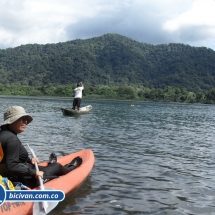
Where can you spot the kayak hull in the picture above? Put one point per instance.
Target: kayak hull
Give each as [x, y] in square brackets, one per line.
[66, 183]
[71, 112]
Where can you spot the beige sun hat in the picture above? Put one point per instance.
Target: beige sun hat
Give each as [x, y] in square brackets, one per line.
[13, 113]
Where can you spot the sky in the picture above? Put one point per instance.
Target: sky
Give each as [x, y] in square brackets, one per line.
[153, 22]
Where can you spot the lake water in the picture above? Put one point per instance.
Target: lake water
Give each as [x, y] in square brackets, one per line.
[151, 158]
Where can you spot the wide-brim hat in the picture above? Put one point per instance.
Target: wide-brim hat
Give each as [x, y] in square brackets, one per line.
[13, 113]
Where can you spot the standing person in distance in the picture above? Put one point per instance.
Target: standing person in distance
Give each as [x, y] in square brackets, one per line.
[77, 95]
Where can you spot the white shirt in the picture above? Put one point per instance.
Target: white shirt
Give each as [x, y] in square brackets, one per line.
[78, 92]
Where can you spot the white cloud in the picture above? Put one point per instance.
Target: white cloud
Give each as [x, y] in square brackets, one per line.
[38, 21]
[195, 24]
[149, 21]
[201, 13]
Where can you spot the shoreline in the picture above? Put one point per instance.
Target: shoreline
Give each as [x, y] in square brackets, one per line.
[71, 98]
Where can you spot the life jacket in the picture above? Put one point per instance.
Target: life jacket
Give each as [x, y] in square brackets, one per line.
[6, 183]
[1, 152]
[3, 170]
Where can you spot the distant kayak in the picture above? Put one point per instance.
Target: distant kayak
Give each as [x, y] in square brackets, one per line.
[66, 183]
[82, 110]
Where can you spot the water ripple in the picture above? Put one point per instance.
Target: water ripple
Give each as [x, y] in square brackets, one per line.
[151, 158]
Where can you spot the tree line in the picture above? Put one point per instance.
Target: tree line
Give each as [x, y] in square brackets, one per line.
[111, 60]
[139, 93]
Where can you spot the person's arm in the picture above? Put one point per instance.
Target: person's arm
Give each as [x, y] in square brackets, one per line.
[82, 85]
[33, 161]
[11, 154]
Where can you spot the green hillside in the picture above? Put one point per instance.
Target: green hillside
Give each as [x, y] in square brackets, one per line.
[111, 60]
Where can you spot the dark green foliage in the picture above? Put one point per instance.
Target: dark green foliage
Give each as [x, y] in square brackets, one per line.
[111, 60]
[210, 96]
[168, 94]
[111, 67]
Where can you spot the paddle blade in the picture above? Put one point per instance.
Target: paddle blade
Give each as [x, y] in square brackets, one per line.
[39, 210]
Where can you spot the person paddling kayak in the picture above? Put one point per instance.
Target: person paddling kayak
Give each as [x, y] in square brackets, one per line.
[15, 162]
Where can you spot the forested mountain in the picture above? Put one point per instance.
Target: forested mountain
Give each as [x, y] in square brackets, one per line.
[109, 60]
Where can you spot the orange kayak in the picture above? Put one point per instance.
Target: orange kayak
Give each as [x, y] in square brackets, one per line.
[67, 183]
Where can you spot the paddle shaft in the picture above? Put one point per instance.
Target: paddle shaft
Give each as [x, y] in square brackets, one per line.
[45, 204]
[37, 169]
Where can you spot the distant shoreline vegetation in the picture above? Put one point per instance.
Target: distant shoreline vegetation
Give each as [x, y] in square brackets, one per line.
[139, 93]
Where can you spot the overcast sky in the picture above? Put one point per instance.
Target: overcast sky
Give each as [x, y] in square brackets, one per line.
[150, 21]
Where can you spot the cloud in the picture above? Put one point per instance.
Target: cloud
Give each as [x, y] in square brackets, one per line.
[139, 20]
[196, 25]
[155, 22]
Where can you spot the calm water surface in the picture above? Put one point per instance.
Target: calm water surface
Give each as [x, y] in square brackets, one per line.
[151, 158]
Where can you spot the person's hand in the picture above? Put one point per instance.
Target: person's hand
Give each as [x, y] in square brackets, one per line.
[34, 160]
[39, 173]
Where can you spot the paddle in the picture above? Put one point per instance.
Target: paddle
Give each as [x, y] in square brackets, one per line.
[41, 208]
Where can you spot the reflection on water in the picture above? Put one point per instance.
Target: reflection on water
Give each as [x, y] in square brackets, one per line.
[151, 158]
[72, 204]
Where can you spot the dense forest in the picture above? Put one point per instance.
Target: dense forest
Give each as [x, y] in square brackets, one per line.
[111, 67]
[111, 60]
